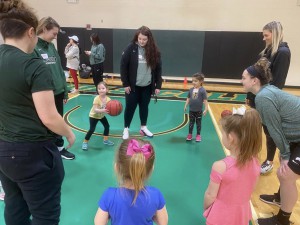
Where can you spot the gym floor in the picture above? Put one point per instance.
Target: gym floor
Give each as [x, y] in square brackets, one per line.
[188, 163]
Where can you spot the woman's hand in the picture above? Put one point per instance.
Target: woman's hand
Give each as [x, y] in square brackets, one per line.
[128, 90]
[157, 91]
[87, 52]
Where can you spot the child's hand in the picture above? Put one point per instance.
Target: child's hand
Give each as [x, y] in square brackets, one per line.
[204, 112]
[105, 111]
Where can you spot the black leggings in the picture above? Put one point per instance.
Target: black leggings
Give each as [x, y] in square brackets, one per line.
[271, 146]
[195, 117]
[93, 124]
[97, 71]
[140, 96]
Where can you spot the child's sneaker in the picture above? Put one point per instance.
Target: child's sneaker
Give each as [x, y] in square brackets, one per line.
[84, 146]
[145, 132]
[108, 142]
[198, 137]
[189, 137]
[125, 133]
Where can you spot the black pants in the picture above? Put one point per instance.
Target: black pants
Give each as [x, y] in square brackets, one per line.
[31, 176]
[93, 124]
[140, 96]
[195, 117]
[271, 146]
[59, 103]
[97, 71]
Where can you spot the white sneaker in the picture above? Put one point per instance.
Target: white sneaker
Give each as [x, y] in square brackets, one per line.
[125, 133]
[74, 91]
[266, 167]
[145, 132]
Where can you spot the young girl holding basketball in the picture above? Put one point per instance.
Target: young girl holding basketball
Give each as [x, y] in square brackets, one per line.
[232, 180]
[133, 202]
[196, 97]
[97, 114]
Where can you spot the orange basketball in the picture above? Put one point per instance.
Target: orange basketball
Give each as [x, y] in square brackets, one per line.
[114, 107]
[226, 112]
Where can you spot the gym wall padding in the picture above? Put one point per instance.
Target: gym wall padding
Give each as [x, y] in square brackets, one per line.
[227, 54]
[217, 54]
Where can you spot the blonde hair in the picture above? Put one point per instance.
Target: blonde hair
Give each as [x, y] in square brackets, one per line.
[47, 22]
[277, 36]
[134, 168]
[247, 128]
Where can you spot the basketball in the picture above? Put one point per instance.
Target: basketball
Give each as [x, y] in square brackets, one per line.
[226, 112]
[114, 107]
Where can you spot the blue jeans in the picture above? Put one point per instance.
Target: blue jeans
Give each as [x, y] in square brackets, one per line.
[31, 174]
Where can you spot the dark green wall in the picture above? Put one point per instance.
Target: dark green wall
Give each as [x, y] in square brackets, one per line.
[217, 54]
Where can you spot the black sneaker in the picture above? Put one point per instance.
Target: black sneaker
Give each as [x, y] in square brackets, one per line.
[271, 199]
[269, 221]
[66, 154]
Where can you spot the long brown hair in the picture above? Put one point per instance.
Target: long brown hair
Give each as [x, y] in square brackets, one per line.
[135, 168]
[151, 50]
[247, 128]
[16, 18]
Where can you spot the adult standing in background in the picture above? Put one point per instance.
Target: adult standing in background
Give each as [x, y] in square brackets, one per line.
[72, 55]
[141, 77]
[47, 31]
[97, 58]
[31, 168]
[280, 113]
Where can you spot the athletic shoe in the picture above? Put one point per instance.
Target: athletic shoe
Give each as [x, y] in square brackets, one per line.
[271, 199]
[108, 142]
[198, 137]
[2, 195]
[66, 154]
[125, 133]
[268, 221]
[189, 137]
[266, 167]
[74, 91]
[84, 146]
[145, 132]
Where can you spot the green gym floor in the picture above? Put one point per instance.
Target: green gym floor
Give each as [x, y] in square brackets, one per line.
[181, 171]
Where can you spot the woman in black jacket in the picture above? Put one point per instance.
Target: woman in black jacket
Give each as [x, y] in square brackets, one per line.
[141, 77]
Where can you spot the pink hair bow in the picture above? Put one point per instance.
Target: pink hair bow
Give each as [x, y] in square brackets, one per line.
[133, 147]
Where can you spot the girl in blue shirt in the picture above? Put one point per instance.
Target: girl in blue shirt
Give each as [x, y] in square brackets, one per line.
[133, 203]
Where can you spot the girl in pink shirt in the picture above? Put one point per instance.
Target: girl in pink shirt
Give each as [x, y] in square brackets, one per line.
[233, 179]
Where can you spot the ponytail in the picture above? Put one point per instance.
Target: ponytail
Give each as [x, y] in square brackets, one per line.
[137, 171]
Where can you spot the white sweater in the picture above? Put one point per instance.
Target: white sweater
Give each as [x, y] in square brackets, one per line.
[72, 55]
